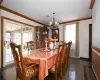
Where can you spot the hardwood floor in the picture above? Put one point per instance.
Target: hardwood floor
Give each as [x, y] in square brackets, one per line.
[78, 70]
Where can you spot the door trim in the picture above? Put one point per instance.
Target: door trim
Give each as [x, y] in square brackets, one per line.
[90, 42]
[2, 35]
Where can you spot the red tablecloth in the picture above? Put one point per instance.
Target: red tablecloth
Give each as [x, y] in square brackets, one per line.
[45, 60]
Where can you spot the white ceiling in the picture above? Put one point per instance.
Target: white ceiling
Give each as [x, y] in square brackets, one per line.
[38, 9]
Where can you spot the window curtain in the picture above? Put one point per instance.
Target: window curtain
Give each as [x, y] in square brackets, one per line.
[70, 35]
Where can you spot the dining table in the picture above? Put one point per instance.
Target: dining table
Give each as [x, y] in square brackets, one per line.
[45, 59]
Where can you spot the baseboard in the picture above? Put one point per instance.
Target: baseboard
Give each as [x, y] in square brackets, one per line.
[78, 57]
[94, 73]
[8, 66]
[84, 58]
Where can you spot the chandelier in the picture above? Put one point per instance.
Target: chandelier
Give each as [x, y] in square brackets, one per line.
[53, 24]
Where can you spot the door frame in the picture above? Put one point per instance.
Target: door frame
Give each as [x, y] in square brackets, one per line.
[90, 43]
[2, 35]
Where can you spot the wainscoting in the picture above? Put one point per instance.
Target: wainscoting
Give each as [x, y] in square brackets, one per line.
[96, 61]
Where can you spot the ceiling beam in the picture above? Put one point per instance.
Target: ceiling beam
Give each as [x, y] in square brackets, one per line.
[75, 20]
[92, 4]
[1, 1]
[21, 15]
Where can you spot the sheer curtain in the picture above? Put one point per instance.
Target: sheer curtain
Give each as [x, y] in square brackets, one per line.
[70, 35]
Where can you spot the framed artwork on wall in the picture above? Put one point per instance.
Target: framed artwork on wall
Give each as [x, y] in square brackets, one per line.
[55, 34]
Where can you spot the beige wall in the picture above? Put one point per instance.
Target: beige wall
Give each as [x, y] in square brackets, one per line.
[96, 24]
[84, 38]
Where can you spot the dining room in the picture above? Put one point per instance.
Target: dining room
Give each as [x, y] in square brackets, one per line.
[44, 42]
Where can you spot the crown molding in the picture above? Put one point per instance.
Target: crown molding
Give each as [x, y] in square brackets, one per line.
[75, 20]
[1, 1]
[92, 4]
[3, 17]
[21, 15]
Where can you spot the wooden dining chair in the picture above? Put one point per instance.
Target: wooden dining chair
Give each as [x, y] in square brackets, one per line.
[24, 70]
[62, 61]
[56, 67]
[31, 45]
[67, 55]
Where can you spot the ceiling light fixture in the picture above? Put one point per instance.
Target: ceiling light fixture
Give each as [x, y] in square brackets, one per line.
[54, 24]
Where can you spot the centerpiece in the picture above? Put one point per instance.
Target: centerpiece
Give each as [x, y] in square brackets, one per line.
[51, 43]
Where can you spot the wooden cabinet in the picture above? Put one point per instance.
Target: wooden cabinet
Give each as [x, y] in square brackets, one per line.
[41, 34]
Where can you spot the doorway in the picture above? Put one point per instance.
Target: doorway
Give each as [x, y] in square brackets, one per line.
[90, 42]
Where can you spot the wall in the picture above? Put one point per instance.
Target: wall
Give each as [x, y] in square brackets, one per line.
[15, 17]
[96, 24]
[61, 34]
[96, 38]
[84, 38]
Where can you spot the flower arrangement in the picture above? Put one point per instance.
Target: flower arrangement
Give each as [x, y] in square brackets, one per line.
[50, 40]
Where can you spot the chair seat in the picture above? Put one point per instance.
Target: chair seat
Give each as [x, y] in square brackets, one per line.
[31, 71]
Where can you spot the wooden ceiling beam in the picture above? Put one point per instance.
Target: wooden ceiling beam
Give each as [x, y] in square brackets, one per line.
[75, 20]
[92, 4]
[21, 15]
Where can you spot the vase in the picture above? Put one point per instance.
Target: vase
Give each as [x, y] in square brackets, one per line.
[51, 45]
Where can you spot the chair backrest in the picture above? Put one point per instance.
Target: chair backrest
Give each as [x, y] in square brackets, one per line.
[31, 45]
[68, 49]
[58, 53]
[62, 48]
[69, 44]
[63, 52]
[61, 42]
[18, 59]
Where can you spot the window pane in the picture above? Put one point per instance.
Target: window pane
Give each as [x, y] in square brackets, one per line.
[27, 36]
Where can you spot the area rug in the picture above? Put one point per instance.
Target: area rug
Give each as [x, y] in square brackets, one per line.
[88, 73]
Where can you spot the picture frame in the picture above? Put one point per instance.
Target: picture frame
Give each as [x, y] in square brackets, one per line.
[55, 34]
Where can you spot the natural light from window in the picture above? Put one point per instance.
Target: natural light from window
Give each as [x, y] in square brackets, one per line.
[70, 33]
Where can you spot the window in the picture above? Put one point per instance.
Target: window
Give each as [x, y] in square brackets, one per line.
[19, 34]
[8, 36]
[26, 37]
[70, 35]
